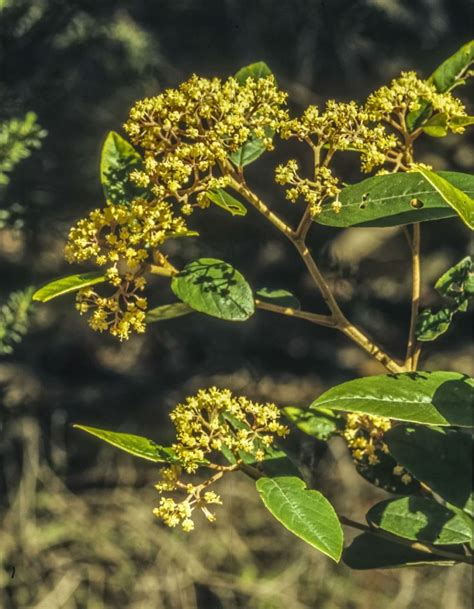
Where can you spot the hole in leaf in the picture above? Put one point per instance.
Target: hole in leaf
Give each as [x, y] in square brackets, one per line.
[362, 205]
[416, 204]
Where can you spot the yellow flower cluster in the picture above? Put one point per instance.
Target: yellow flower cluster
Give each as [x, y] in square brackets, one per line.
[122, 238]
[364, 437]
[406, 94]
[185, 133]
[206, 424]
[342, 126]
[314, 192]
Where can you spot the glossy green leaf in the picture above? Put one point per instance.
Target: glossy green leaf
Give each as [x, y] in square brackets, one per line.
[169, 311]
[71, 283]
[432, 398]
[306, 513]
[319, 423]
[457, 284]
[442, 459]
[421, 519]
[223, 199]
[254, 70]
[118, 159]
[215, 288]
[393, 200]
[368, 551]
[461, 202]
[135, 445]
[452, 71]
[282, 298]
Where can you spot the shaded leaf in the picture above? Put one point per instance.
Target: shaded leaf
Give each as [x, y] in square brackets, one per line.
[223, 199]
[381, 475]
[432, 398]
[169, 311]
[71, 283]
[393, 200]
[282, 298]
[422, 519]
[368, 551]
[457, 283]
[442, 459]
[215, 288]
[462, 204]
[118, 159]
[318, 423]
[306, 513]
[135, 445]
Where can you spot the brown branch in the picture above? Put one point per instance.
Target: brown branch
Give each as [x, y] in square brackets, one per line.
[321, 320]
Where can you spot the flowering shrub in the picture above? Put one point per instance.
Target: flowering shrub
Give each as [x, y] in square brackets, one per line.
[405, 429]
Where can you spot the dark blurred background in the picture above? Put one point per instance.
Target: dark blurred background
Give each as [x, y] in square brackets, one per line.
[76, 520]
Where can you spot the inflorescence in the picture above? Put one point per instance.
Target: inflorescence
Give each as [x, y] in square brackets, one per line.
[209, 424]
[187, 136]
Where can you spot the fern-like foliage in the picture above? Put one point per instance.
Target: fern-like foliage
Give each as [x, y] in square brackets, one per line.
[14, 319]
[18, 138]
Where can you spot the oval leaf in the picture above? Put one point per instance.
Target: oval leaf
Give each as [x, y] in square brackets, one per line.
[441, 459]
[368, 551]
[306, 513]
[318, 423]
[393, 200]
[215, 288]
[71, 283]
[452, 71]
[282, 298]
[432, 398]
[254, 70]
[135, 445]
[169, 311]
[462, 204]
[118, 159]
[223, 199]
[421, 519]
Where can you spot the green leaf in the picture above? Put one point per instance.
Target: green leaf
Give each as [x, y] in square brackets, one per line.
[306, 513]
[118, 159]
[282, 298]
[430, 325]
[254, 70]
[432, 398]
[135, 445]
[71, 283]
[223, 199]
[452, 71]
[421, 519]
[368, 551]
[215, 288]
[462, 204]
[442, 459]
[170, 311]
[438, 125]
[381, 475]
[320, 423]
[457, 283]
[449, 74]
[393, 200]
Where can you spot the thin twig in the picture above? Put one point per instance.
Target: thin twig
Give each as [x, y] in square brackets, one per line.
[321, 320]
